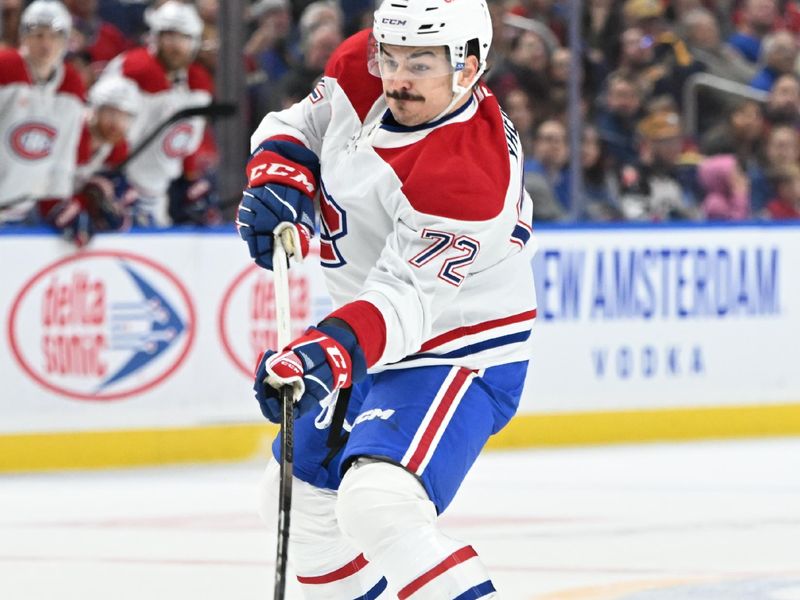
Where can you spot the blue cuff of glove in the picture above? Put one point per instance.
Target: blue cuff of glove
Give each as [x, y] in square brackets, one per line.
[348, 341]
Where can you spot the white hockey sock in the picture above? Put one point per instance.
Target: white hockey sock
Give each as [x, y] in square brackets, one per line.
[328, 566]
[387, 513]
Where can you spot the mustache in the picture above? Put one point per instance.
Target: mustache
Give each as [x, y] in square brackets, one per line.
[404, 95]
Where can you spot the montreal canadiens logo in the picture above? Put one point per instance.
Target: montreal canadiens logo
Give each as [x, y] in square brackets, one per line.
[178, 141]
[246, 318]
[101, 325]
[32, 141]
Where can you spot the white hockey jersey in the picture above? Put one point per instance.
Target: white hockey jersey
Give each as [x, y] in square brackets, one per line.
[152, 171]
[40, 127]
[428, 225]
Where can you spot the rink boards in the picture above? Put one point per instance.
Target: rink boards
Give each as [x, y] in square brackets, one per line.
[140, 349]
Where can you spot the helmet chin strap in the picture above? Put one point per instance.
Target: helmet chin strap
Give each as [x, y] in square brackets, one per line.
[459, 91]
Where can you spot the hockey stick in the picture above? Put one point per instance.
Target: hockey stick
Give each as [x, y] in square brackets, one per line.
[284, 246]
[214, 110]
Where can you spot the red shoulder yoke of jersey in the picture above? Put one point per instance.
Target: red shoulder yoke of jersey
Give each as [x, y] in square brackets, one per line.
[459, 171]
[348, 65]
[200, 78]
[12, 67]
[72, 83]
[143, 68]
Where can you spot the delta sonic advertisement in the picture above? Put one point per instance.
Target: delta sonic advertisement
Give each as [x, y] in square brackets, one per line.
[137, 331]
[654, 317]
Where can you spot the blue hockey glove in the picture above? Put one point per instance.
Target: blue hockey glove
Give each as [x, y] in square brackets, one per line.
[70, 218]
[323, 360]
[94, 209]
[262, 209]
[279, 190]
[194, 201]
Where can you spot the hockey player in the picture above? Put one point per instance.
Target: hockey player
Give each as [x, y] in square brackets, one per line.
[102, 197]
[169, 80]
[41, 112]
[424, 231]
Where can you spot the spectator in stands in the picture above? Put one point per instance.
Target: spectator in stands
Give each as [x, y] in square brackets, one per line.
[358, 15]
[785, 204]
[676, 10]
[600, 189]
[779, 53]
[317, 14]
[706, 46]
[317, 48]
[758, 18]
[518, 107]
[671, 55]
[559, 76]
[208, 10]
[618, 116]
[727, 189]
[781, 149]
[661, 186]
[547, 12]
[10, 11]
[601, 31]
[637, 59]
[526, 67]
[550, 159]
[783, 102]
[169, 80]
[741, 134]
[267, 56]
[126, 15]
[208, 51]
[94, 42]
[41, 113]
[501, 32]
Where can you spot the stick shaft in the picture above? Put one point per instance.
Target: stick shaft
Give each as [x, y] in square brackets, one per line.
[283, 320]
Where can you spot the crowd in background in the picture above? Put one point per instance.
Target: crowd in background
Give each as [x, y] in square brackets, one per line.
[649, 151]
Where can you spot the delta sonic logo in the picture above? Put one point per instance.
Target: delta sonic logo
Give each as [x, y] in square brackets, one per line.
[246, 318]
[101, 326]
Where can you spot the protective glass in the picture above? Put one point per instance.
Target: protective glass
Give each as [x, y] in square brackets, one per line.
[412, 62]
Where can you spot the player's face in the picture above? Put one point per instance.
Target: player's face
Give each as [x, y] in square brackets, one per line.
[175, 50]
[44, 48]
[417, 82]
[112, 124]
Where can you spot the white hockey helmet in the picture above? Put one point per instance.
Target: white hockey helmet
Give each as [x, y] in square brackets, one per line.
[176, 16]
[450, 23]
[116, 91]
[46, 13]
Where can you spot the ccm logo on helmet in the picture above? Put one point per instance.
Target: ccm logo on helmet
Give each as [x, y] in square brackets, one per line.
[388, 21]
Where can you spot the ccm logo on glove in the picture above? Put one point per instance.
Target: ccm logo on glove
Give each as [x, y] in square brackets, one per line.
[269, 167]
[286, 366]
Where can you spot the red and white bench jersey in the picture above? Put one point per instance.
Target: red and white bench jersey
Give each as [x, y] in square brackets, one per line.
[152, 171]
[40, 127]
[94, 160]
[429, 224]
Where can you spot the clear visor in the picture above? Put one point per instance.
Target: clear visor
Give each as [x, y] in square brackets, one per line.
[44, 27]
[411, 62]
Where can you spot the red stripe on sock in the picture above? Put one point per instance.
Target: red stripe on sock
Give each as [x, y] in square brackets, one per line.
[456, 558]
[354, 566]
